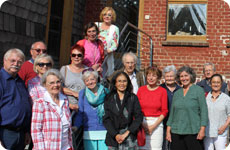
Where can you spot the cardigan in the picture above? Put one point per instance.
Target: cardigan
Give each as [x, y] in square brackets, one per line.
[188, 113]
[153, 103]
[112, 116]
[87, 115]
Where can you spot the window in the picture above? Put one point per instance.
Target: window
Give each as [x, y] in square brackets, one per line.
[187, 20]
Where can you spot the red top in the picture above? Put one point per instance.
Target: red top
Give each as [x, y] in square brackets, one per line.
[26, 72]
[153, 103]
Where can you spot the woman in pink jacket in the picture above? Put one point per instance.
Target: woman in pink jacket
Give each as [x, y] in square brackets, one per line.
[94, 48]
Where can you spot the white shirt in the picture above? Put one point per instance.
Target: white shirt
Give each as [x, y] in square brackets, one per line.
[64, 121]
[133, 79]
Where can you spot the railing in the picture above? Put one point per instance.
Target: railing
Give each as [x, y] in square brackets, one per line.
[134, 39]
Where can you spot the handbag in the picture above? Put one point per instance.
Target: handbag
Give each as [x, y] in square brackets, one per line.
[77, 138]
[141, 137]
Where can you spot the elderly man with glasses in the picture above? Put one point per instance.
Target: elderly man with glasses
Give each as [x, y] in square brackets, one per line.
[209, 69]
[137, 78]
[15, 103]
[26, 73]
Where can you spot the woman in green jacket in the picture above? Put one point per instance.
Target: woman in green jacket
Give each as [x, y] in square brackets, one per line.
[189, 115]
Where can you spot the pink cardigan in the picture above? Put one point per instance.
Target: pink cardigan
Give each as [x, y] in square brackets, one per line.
[101, 48]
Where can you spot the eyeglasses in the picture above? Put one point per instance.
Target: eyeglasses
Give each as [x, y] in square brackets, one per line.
[87, 69]
[78, 55]
[44, 64]
[109, 15]
[53, 83]
[12, 61]
[39, 50]
[216, 82]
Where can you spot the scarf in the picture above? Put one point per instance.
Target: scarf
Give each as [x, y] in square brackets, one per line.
[123, 121]
[97, 101]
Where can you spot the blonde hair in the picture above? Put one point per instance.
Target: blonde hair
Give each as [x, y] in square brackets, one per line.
[105, 10]
[39, 58]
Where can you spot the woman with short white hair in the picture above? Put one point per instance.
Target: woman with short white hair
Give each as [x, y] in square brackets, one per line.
[91, 111]
[51, 119]
[169, 74]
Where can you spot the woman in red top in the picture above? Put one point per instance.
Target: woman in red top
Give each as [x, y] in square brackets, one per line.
[153, 101]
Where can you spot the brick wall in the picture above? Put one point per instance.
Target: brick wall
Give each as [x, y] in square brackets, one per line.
[218, 32]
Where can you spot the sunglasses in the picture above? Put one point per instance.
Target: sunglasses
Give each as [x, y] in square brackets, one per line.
[44, 64]
[39, 50]
[87, 69]
[78, 55]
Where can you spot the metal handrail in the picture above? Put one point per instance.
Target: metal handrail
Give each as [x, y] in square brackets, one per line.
[139, 38]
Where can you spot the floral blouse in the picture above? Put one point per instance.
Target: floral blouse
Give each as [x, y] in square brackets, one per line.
[110, 42]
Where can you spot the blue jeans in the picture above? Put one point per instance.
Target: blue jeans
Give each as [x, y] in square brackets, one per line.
[13, 140]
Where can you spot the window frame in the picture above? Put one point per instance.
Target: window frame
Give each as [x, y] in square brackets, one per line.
[197, 38]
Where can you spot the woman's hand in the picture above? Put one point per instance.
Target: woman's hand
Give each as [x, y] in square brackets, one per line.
[73, 107]
[201, 133]
[222, 129]
[118, 138]
[168, 134]
[145, 127]
[125, 135]
[151, 129]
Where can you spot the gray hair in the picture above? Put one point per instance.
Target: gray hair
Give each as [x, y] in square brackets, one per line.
[32, 46]
[88, 73]
[54, 72]
[169, 69]
[17, 51]
[188, 70]
[39, 58]
[129, 54]
[209, 64]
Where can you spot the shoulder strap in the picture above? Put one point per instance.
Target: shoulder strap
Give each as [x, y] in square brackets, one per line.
[65, 71]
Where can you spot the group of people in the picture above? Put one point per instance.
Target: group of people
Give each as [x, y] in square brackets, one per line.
[47, 105]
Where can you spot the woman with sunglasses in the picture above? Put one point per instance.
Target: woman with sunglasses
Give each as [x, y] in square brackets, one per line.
[91, 111]
[42, 63]
[109, 34]
[94, 48]
[72, 74]
[123, 115]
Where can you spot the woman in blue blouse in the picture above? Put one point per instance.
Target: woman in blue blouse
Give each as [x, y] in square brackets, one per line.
[91, 111]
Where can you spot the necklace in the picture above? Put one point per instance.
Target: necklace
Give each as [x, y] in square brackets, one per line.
[216, 96]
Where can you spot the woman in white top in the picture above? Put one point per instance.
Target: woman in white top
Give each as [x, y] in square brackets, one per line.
[109, 35]
[219, 115]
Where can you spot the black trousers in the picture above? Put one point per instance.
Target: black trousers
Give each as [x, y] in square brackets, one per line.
[186, 142]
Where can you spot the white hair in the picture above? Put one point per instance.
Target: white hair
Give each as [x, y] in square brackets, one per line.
[17, 51]
[169, 68]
